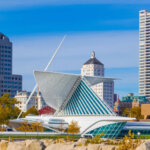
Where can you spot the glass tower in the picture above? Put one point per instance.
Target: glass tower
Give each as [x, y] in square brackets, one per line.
[9, 83]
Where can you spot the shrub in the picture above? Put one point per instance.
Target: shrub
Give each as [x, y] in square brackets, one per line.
[73, 127]
[128, 143]
[95, 140]
[33, 127]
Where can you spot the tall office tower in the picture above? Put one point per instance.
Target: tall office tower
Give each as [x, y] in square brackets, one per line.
[144, 53]
[9, 83]
[105, 88]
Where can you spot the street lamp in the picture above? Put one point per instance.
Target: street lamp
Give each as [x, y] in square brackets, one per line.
[138, 134]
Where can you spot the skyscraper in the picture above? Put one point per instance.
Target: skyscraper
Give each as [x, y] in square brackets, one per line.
[144, 53]
[9, 83]
[105, 89]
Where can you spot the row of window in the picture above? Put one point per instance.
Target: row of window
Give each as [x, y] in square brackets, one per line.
[2, 65]
[10, 90]
[2, 69]
[15, 87]
[5, 90]
[7, 56]
[6, 60]
[6, 47]
[5, 73]
[11, 82]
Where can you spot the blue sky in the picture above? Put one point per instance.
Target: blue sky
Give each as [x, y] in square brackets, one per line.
[109, 27]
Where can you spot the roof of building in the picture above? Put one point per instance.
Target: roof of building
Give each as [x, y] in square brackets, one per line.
[70, 94]
[3, 37]
[93, 60]
[131, 99]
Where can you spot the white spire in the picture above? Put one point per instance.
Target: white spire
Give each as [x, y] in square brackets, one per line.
[93, 55]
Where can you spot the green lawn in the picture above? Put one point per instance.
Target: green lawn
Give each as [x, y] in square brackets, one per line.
[143, 136]
[73, 137]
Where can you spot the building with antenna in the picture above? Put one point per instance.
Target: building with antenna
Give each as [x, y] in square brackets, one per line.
[105, 90]
[9, 83]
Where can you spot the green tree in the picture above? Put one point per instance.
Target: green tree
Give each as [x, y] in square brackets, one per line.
[7, 101]
[133, 112]
[126, 112]
[31, 110]
[15, 112]
[136, 112]
[31, 127]
[7, 109]
[73, 127]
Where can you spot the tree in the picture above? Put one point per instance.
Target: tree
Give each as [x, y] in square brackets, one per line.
[133, 112]
[16, 111]
[24, 127]
[31, 110]
[136, 112]
[126, 112]
[31, 127]
[73, 127]
[37, 126]
[7, 109]
[7, 101]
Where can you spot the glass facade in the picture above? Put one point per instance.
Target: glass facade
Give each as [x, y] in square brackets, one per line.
[9, 83]
[142, 127]
[85, 102]
[110, 130]
[135, 131]
[49, 130]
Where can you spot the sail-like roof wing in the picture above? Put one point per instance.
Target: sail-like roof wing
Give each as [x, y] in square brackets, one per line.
[97, 79]
[55, 87]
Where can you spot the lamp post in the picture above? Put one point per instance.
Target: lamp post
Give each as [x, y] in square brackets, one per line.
[138, 134]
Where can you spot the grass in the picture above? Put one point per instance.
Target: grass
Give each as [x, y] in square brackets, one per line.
[71, 137]
[143, 136]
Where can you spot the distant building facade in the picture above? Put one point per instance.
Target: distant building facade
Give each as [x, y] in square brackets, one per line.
[116, 105]
[36, 100]
[130, 101]
[115, 97]
[145, 111]
[105, 90]
[9, 83]
[92, 67]
[144, 53]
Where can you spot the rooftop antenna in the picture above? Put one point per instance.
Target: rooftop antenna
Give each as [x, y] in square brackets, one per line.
[46, 68]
